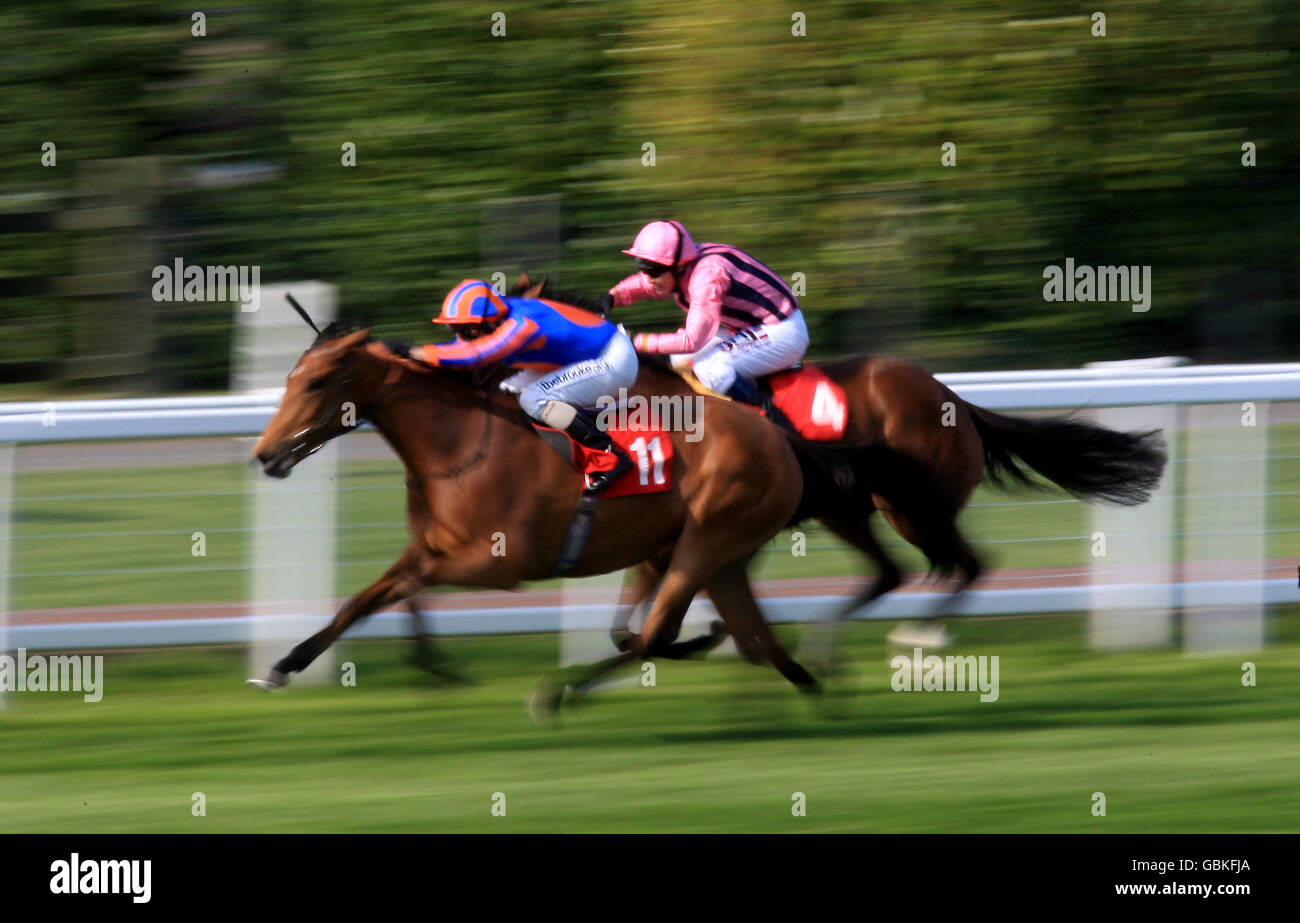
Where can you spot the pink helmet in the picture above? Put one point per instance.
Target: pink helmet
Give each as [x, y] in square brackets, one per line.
[664, 242]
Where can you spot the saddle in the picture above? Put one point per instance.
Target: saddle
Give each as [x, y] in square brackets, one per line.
[816, 406]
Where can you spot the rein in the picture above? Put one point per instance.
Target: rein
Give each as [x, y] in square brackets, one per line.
[307, 444]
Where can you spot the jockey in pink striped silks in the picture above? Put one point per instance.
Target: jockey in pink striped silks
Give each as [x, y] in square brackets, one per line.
[723, 290]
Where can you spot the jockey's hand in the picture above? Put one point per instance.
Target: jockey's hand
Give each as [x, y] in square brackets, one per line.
[406, 351]
[605, 304]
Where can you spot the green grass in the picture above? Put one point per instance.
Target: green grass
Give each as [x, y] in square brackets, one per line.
[58, 512]
[1176, 744]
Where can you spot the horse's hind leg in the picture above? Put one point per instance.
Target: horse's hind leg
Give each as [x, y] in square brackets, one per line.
[398, 582]
[734, 598]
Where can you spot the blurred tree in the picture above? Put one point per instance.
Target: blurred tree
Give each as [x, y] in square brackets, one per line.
[819, 153]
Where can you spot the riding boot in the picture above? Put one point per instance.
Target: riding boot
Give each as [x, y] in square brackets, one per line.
[585, 433]
[747, 392]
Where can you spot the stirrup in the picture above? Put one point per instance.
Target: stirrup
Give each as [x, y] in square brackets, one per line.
[602, 479]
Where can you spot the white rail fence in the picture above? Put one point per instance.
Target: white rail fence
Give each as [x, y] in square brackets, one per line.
[1158, 393]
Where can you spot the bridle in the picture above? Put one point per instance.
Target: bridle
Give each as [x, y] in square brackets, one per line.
[309, 444]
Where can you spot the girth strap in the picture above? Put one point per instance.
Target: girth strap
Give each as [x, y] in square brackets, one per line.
[575, 542]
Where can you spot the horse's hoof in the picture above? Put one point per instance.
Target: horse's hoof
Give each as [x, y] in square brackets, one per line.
[622, 640]
[826, 668]
[812, 692]
[543, 704]
[920, 634]
[273, 680]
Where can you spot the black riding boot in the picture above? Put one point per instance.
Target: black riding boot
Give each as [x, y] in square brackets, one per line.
[585, 432]
[747, 392]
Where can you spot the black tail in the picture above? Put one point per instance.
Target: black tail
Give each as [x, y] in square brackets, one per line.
[839, 480]
[1086, 459]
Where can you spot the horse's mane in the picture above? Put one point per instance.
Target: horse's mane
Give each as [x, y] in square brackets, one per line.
[346, 324]
[551, 293]
[340, 327]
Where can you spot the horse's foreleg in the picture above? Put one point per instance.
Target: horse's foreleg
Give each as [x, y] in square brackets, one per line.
[642, 580]
[731, 593]
[929, 631]
[428, 655]
[662, 622]
[398, 582]
[822, 636]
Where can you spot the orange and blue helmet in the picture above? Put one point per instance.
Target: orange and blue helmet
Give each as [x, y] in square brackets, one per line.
[473, 301]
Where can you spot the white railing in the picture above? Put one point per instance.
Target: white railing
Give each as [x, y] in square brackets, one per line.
[223, 415]
[246, 414]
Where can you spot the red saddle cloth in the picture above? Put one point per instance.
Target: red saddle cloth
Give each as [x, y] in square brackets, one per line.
[815, 405]
[651, 451]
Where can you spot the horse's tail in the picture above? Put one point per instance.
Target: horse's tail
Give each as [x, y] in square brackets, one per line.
[840, 479]
[1086, 459]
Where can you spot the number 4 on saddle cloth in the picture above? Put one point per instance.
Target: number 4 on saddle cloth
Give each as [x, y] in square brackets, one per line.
[649, 447]
[815, 405]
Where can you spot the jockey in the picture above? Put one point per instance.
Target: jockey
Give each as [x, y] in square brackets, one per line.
[718, 286]
[569, 359]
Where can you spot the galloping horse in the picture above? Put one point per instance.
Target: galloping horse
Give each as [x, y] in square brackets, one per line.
[898, 404]
[479, 479]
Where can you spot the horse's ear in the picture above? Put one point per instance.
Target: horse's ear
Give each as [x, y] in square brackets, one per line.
[521, 284]
[347, 341]
[535, 291]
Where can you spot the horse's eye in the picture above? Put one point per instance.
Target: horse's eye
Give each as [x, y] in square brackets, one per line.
[315, 384]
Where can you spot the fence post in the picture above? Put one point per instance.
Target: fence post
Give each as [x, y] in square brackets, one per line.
[1134, 551]
[292, 547]
[1224, 518]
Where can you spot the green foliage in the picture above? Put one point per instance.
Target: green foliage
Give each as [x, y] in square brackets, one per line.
[819, 154]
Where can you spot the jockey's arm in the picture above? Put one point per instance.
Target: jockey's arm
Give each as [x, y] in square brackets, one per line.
[631, 290]
[708, 285]
[513, 335]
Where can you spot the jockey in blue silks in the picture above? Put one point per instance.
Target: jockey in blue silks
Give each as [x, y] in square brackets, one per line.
[568, 359]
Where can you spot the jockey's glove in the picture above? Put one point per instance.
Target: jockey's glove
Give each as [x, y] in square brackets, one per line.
[605, 304]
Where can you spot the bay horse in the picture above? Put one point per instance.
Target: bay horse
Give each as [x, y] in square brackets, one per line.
[898, 404]
[488, 501]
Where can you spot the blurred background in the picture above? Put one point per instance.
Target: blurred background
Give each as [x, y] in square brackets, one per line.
[819, 154]
[479, 154]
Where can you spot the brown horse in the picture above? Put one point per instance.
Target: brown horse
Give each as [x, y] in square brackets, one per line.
[488, 501]
[899, 404]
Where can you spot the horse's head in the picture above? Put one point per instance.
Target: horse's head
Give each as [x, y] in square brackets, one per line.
[320, 401]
